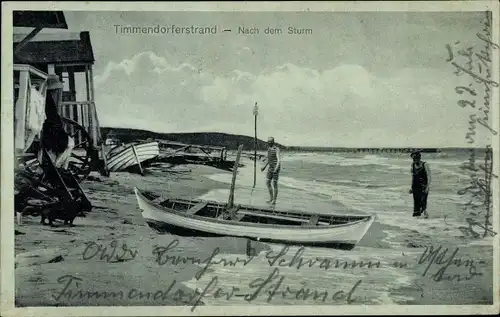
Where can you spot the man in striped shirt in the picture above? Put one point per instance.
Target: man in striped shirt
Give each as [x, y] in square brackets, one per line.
[274, 162]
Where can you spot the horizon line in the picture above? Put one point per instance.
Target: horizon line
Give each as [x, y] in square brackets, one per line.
[310, 146]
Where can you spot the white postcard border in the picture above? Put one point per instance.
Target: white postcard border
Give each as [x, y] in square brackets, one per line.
[7, 173]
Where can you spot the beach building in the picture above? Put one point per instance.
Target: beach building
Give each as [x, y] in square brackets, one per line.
[27, 76]
[69, 56]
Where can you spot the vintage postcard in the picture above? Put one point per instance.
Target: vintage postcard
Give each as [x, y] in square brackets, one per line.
[238, 158]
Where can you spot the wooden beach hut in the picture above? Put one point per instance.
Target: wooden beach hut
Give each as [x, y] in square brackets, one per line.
[69, 56]
[25, 74]
[53, 188]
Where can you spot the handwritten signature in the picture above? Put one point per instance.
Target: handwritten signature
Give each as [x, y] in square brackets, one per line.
[279, 288]
[479, 188]
[298, 261]
[442, 264]
[163, 257]
[270, 286]
[480, 194]
[109, 253]
[444, 260]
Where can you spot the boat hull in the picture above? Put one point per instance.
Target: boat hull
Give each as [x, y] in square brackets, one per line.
[344, 236]
[165, 228]
[125, 158]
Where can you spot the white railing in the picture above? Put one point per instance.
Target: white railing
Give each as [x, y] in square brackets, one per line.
[84, 113]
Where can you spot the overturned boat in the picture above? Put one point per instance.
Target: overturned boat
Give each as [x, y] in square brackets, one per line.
[181, 153]
[127, 156]
[211, 219]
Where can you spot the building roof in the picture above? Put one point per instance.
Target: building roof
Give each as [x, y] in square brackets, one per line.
[48, 35]
[45, 19]
[57, 51]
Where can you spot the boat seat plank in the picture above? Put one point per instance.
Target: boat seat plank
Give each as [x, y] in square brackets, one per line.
[268, 215]
[197, 208]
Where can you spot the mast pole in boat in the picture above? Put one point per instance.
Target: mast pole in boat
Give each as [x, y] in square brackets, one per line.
[255, 112]
[230, 202]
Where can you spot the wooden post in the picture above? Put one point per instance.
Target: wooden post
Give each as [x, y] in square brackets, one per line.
[71, 115]
[73, 109]
[93, 124]
[79, 116]
[85, 116]
[71, 80]
[138, 161]
[21, 107]
[88, 113]
[255, 112]
[91, 81]
[51, 69]
[230, 202]
[87, 82]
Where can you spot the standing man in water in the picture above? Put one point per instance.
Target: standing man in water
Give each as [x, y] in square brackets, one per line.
[274, 162]
[420, 183]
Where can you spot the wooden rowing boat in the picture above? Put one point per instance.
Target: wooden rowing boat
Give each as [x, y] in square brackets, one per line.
[126, 156]
[210, 219]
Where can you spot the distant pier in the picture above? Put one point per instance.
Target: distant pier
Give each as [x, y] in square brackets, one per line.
[361, 150]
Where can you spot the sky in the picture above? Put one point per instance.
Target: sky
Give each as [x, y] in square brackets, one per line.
[361, 79]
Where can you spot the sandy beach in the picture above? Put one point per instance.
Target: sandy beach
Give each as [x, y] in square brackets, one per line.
[115, 217]
[54, 263]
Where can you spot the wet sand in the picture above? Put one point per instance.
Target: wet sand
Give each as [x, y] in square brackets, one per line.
[50, 259]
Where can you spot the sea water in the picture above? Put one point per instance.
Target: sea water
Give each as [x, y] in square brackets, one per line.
[335, 183]
[353, 183]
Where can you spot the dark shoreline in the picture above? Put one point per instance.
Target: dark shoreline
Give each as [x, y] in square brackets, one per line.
[232, 141]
